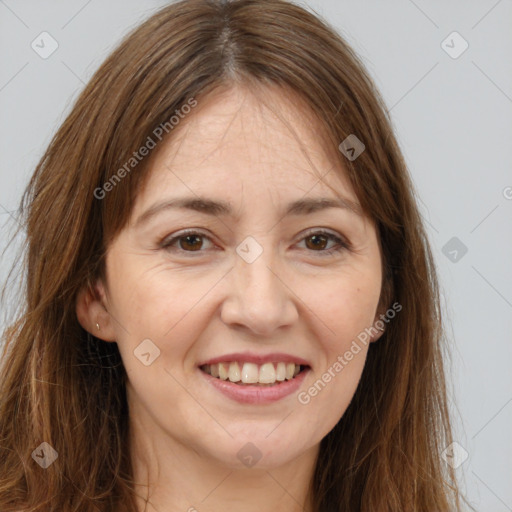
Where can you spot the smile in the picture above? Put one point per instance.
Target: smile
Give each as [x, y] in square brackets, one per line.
[246, 373]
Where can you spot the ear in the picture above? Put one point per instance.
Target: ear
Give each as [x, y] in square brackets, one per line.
[379, 333]
[381, 320]
[91, 310]
[379, 325]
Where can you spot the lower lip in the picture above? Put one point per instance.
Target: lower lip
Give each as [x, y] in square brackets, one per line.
[256, 394]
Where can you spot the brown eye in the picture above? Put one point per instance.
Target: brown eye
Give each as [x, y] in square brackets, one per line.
[318, 241]
[188, 241]
[191, 242]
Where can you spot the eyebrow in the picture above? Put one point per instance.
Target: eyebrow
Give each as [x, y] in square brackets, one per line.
[222, 208]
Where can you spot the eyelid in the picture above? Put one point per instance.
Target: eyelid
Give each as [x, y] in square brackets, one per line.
[342, 241]
[170, 240]
[343, 244]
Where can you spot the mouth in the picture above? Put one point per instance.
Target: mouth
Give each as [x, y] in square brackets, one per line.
[244, 373]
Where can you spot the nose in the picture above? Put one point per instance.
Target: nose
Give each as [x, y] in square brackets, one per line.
[259, 298]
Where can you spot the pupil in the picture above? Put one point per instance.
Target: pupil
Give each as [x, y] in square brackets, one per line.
[317, 238]
[318, 241]
[191, 237]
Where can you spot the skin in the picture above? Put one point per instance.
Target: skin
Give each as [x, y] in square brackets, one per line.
[199, 304]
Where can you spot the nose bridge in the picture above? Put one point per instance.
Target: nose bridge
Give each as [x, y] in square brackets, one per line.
[253, 267]
[258, 297]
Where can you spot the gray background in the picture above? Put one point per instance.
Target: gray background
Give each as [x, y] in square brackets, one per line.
[453, 121]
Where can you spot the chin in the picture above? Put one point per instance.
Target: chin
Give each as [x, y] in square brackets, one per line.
[265, 449]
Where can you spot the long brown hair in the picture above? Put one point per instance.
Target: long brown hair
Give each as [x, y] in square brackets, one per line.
[62, 386]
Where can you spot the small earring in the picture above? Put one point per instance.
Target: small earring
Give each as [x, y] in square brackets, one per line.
[98, 326]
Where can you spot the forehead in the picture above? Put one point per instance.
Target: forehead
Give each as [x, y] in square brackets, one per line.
[235, 145]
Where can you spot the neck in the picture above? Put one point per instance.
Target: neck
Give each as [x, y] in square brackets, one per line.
[171, 476]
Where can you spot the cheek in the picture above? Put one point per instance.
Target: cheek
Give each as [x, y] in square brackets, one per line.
[151, 300]
[346, 306]
[344, 315]
[168, 307]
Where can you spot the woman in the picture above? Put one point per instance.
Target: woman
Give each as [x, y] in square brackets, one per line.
[293, 361]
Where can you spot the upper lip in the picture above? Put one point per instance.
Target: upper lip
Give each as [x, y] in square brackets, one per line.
[259, 359]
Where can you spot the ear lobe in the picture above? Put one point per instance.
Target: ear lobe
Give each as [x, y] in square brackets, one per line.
[91, 312]
[377, 336]
[378, 328]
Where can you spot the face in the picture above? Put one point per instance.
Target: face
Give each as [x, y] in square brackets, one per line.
[249, 283]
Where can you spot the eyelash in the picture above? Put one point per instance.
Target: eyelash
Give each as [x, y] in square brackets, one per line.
[342, 244]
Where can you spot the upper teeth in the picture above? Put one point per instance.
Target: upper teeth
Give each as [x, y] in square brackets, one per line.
[251, 373]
